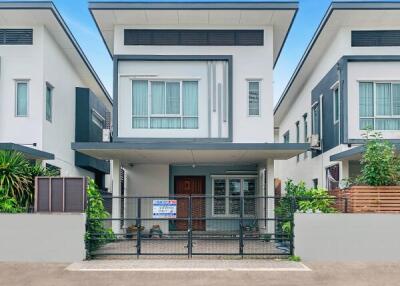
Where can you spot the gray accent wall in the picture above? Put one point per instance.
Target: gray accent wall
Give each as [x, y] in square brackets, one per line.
[86, 130]
[330, 131]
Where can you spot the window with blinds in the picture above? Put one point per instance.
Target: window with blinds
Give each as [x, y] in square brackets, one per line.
[379, 105]
[16, 36]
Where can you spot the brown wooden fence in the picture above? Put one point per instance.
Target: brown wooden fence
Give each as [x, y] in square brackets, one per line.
[60, 194]
[365, 199]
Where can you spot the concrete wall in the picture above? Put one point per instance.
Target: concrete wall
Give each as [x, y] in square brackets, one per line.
[347, 237]
[42, 237]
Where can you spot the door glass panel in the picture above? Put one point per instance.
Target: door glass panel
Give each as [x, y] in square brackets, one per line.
[249, 192]
[234, 191]
[219, 196]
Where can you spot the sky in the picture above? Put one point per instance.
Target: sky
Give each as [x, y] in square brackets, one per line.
[80, 22]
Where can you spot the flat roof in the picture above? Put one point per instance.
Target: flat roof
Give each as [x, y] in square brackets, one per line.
[28, 152]
[24, 13]
[354, 153]
[189, 153]
[205, 14]
[339, 14]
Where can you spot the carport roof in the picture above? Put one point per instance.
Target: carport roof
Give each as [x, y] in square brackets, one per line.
[28, 152]
[189, 153]
[354, 153]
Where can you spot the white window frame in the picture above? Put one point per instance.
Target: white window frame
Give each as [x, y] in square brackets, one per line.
[227, 178]
[51, 88]
[149, 111]
[375, 116]
[17, 81]
[248, 97]
[335, 88]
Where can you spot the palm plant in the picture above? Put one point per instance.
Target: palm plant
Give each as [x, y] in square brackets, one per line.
[15, 177]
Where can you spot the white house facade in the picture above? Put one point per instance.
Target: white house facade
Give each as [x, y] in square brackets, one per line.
[346, 82]
[193, 102]
[44, 73]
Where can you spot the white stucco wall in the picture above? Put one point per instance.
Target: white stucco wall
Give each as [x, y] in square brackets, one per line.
[150, 180]
[249, 62]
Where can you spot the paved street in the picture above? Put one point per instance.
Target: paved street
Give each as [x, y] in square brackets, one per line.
[353, 274]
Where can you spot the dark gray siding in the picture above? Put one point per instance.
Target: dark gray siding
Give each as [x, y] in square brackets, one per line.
[330, 131]
[86, 130]
[384, 38]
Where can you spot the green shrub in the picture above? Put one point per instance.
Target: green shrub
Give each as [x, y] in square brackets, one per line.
[379, 164]
[97, 234]
[9, 205]
[17, 177]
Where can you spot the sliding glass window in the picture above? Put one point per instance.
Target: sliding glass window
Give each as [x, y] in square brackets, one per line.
[165, 104]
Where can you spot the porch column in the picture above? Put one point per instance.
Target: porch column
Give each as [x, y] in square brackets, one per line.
[270, 193]
[116, 191]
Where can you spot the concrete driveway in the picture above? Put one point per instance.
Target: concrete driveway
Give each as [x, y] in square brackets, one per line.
[352, 274]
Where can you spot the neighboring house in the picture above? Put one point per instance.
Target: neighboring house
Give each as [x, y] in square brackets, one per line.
[193, 101]
[49, 93]
[348, 80]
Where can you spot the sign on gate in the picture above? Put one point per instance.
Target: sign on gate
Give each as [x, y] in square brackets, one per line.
[164, 208]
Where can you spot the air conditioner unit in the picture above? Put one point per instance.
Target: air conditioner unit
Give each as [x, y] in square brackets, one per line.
[106, 135]
[314, 141]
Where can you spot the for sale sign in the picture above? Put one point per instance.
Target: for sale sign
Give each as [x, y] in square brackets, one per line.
[164, 208]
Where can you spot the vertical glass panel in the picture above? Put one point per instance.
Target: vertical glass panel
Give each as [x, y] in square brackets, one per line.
[396, 98]
[249, 192]
[190, 98]
[366, 123]
[234, 191]
[140, 122]
[190, 123]
[22, 99]
[254, 98]
[336, 103]
[383, 99]
[219, 196]
[173, 100]
[49, 103]
[157, 97]
[139, 97]
[315, 119]
[387, 124]
[366, 100]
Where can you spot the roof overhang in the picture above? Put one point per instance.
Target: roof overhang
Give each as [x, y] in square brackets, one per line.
[28, 14]
[280, 15]
[362, 15]
[355, 154]
[28, 152]
[190, 153]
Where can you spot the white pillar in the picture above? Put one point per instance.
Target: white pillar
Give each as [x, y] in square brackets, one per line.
[270, 193]
[116, 191]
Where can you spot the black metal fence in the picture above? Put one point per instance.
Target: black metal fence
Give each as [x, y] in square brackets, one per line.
[195, 226]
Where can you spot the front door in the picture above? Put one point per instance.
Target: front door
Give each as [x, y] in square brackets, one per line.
[186, 186]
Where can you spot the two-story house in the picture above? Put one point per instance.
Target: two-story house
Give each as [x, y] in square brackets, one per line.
[47, 89]
[193, 97]
[347, 81]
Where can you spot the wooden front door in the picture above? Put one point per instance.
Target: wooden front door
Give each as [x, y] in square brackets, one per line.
[186, 186]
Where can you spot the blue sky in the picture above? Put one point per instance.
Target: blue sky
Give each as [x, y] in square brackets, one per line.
[77, 16]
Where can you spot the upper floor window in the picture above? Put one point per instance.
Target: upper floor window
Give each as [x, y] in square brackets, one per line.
[16, 36]
[298, 136]
[336, 108]
[171, 104]
[315, 116]
[286, 138]
[97, 119]
[379, 105]
[49, 103]
[254, 98]
[21, 98]
[305, 126]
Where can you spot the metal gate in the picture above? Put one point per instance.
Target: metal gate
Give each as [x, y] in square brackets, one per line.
[193, 226]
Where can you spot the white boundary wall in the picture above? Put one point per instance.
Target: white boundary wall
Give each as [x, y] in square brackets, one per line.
[347, 237]
[42, 237]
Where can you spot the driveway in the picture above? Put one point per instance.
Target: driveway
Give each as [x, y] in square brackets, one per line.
[352, 274]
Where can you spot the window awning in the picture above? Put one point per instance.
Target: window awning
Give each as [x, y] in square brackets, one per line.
[190, 153]
[28, 152]
[354, 153]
